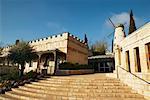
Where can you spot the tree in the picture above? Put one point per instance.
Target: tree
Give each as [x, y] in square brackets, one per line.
[1, 49]
[21, 53]
[132, 26]
[99, 48]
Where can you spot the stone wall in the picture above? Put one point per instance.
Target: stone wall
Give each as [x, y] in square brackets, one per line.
[134, 82]
[51, 43]
[139, 80]
[77, 51]
[138, 39]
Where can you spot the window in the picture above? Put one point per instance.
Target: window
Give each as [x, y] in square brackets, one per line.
[137, 60]
[148, 55]
[128, 61]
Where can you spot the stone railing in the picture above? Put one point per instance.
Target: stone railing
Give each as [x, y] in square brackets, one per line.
[135, 82]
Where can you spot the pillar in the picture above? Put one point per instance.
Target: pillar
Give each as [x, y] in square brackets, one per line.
[38, 62]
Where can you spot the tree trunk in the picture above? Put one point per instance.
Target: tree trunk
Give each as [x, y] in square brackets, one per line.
[22, 69]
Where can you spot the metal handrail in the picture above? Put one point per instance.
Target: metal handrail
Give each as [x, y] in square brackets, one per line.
[135, 75]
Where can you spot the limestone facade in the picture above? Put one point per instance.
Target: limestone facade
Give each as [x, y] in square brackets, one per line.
[132, 58]
[55, 50]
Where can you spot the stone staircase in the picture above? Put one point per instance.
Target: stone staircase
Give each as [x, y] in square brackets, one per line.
[77, 87]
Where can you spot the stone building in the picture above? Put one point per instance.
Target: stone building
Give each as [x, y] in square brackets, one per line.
[54, 50]
[102, 63]
[132, 57]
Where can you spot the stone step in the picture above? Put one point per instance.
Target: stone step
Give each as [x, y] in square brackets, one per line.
[72, 89]
[29, 94]
[75, 87]
[6, 97]
[76, 80]
[81, 79]
[56, 97]
[77, 94]
[31, 89]
[103, 75]
[21, 96]
[78, 83]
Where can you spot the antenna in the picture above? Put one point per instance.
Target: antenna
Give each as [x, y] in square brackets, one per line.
[111, 22]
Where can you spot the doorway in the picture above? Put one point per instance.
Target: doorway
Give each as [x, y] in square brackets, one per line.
[128, 61]
[137, 59]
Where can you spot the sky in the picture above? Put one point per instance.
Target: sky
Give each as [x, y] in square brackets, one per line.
[32, 19]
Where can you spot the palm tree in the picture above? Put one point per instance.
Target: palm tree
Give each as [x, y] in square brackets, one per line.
[21, 53]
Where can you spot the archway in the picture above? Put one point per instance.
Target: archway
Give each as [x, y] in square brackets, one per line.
[47, 63]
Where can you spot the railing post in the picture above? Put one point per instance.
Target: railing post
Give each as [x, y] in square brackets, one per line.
[117, 73]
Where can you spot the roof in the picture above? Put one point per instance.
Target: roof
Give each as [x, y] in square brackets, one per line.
[101, 56]
[49, 51]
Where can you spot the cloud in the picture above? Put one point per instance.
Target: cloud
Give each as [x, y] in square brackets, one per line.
[124, 18]
[56, 27]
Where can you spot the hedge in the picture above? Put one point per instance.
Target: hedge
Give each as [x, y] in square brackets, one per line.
[71, 66]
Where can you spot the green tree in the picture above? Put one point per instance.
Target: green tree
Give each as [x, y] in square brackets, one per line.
[99, 48]
[1, 49]
[21, 53]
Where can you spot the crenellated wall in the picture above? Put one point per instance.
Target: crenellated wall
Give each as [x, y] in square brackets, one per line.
[77, 51]
[51, 43]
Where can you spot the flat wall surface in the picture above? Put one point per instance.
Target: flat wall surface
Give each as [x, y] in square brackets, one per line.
[137, 84]
[139, 39]
[133, 54]
[77, 52]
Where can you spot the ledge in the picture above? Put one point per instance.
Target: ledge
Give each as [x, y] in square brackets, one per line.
[74, 72]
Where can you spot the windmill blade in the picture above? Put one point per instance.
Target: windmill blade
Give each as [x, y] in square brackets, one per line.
[112, 45]
[125, 23]
[110, 34]
[112, 23]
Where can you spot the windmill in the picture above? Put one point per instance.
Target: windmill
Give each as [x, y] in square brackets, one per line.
[112, 33]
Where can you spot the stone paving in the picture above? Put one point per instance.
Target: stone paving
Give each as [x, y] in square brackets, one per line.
[77, 87]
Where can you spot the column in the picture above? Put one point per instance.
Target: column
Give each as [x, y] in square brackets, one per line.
[38, 64]
[117, 57]
[55, 59]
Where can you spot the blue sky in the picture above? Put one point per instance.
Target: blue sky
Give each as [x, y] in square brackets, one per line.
[33, 19]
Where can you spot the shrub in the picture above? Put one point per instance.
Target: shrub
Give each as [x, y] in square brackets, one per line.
[71, 66]
[9, 73]
[31, 74]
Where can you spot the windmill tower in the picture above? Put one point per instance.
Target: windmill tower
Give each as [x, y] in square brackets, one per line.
[119, 35]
